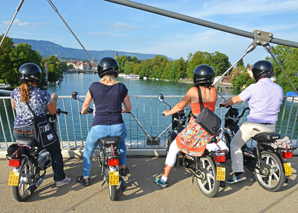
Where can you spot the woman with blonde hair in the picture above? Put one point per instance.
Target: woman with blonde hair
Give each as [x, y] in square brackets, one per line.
[107, 96]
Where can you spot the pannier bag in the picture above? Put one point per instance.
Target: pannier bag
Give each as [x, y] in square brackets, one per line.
[207, 119]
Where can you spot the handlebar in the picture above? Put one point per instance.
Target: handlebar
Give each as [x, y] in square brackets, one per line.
[59, 111]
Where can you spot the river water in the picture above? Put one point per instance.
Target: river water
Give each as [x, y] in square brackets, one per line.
[147, 109]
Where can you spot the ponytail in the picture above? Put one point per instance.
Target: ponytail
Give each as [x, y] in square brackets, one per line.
[24, 90]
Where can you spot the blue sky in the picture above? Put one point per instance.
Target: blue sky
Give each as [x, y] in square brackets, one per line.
[102, 25]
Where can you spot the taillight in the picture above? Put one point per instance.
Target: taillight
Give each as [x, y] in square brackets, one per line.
[220, 157]
[287, 155]
[113, 162]
[15, 162]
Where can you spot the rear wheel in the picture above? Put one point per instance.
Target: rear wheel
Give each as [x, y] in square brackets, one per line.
[208, 185]
[272, 176]
[26, 173]
[112, 190]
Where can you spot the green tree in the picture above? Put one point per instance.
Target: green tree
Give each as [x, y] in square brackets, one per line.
[5, 63]
[19, 55]
[55, 71]
[240, 63]
[221, 62]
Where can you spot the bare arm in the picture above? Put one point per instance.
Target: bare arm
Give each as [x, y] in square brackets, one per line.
[231, 101]
[13, 104]
[52, 106]
[86, 103]
[179, 106]
[127, 104]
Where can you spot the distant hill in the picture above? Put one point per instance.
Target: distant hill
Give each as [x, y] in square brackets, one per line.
[47, 48]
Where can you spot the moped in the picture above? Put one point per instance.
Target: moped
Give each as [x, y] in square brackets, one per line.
[108, 160]
[207, 168]
[269, 165]
[26, 175]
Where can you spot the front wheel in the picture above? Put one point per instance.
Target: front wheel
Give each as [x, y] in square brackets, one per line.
[26, 173]
[271, 177]
[112, 190]
[208, 185]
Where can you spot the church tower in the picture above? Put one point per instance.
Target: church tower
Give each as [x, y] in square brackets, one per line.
[116, 55]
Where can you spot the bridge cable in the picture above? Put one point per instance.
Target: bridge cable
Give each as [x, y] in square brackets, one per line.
[53, 6]
[15, 14]
[260, 37]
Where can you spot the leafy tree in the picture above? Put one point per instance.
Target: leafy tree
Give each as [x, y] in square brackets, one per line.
[240, 63]
[19, 55]
[5, 63]
[70, 66]
[221, 62]
[55, 71]
[287, 57]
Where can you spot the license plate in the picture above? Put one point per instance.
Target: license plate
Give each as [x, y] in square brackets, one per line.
[288, 169]
[221, 173]
[13, 179]
[113, 178]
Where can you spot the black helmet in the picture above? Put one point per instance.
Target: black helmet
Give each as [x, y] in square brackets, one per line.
[203, 75]
[107, 66]
[30, 72]
[262, 69]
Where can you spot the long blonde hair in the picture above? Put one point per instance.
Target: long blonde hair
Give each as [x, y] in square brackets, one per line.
[109, 79]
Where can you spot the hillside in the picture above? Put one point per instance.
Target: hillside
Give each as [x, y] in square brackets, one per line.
[47, 48]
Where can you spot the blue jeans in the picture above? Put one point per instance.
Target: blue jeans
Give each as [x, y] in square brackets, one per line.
[54, 150]
[100, 131]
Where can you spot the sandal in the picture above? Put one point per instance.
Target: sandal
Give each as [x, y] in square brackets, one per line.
[84, 181]
[124, 172]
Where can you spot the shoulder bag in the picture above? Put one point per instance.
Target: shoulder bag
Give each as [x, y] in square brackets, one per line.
[207, 119]
[44, 133]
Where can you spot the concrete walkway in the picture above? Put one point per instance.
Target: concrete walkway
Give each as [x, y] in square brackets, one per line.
[143, 195]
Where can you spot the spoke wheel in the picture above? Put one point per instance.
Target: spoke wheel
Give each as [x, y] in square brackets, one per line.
[26, 172]
[209, 186]
[272, 178]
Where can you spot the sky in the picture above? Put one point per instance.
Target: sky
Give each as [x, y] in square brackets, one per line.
[102, 25]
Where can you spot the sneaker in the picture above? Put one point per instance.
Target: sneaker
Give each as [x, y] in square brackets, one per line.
[63, 182]
[161, 183]
[84, 181]
[124, 172]
[237, 178]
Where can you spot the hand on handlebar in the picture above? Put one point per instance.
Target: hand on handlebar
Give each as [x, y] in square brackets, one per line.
[165, 113]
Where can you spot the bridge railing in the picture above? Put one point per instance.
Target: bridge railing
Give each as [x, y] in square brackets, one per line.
[73, 127]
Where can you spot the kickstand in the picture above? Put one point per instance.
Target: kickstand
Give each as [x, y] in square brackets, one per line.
[103, 183]
[192, 180]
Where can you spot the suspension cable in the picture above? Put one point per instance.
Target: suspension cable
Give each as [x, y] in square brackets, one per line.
[198, 21]
[15, 14]
[53, 6]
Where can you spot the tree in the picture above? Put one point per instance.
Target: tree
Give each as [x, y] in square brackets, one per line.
[20, 55]
[70, 66]
[287, 57]
[221, 62]
[55, 71]
[5, 63]
[240, 63]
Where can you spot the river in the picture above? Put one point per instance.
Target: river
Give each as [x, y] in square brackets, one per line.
[148, 110]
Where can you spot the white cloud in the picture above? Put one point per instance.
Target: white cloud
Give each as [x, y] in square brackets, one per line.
[121, 26]
[16, 21]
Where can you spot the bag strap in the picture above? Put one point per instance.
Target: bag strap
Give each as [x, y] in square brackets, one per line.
[200, 98]
[31, 109]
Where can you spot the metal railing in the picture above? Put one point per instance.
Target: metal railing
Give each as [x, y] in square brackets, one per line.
[73, 128]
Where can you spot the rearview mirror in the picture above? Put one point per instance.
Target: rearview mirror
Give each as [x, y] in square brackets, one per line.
[160, 97]
[75, 95]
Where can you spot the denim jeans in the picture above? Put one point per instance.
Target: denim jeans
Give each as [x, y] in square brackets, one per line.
[54, 150]
[100, 131]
